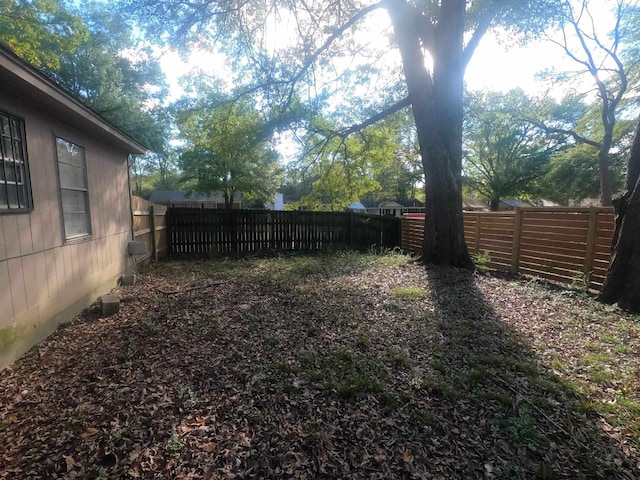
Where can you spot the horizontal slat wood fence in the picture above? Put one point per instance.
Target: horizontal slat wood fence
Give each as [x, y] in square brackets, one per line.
[565, 245]
[150, 226]
[244, 232]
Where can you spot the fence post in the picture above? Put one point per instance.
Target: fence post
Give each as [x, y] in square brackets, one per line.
[476, 245]
[234, 233]
[152, 224]
[350, 228]
[591, 241]
[515, 248]
[167, 222]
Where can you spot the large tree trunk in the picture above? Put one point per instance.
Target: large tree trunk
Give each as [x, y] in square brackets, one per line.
[494, 203]
[622, 283]
[606, 194]
[436, 100]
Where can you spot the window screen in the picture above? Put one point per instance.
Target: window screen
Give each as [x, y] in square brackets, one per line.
[72, 171]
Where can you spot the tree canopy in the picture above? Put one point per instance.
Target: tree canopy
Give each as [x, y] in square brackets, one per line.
[40, 31]
[330, 53]
[604, 57]
[226, 150]
[505, 155]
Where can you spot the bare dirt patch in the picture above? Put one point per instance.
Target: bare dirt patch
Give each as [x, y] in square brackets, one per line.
[342, 366]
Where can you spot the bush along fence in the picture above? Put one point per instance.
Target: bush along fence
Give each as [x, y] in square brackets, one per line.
[246, 232]
[149, 226]
[565, 245]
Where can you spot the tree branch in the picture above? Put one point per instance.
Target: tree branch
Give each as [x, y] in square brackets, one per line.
[569, 133]
[402, 104]
[327, 43]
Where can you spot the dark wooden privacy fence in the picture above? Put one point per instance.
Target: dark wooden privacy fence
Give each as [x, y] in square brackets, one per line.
[244, 232]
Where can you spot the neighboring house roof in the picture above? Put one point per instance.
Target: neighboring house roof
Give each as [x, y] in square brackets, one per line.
[515, 202]
[541, 202]
[412, 203]
[174, 196]
[356, 206]
[25, 81]
[369, 202]
[390, 204]
[587, 202]
[470, 203]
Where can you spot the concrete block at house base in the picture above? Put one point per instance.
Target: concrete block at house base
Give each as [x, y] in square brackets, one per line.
[128, 280]
[110, 305]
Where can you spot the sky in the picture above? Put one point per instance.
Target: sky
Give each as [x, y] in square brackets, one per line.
[493, 66]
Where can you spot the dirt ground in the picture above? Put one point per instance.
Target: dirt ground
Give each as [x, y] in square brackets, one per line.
[340, 366]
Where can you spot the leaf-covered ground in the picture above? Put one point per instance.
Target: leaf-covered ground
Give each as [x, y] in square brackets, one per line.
[342, 366]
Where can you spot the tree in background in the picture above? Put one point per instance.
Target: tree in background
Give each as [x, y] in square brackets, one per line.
[91, 53]
[226, 150]
[344, 170]
[402, 178]
[328, 35]
[40, 31]
[117, 77]
[601, 57]
[504, 154]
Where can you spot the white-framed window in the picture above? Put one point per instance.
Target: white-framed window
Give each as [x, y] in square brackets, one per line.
[74, 198]
[15, 187]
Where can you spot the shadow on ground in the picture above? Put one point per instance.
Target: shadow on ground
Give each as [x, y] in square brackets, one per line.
[531, 423]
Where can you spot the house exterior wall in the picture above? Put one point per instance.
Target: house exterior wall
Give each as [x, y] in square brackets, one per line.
[45, 280]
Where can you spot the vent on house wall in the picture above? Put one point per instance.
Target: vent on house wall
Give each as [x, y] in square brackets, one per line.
[137, 248]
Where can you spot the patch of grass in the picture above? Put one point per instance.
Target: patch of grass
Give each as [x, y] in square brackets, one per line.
[351, 387]
[501, 362]
[428, 418]
[408, 293]
[345, 372]
[481, 260]
[393, 258]
[271, 340]
[609, 338]
[591, 346]
[393, 306]
[439, 365]
[187, 397]
[522, 429]
[595, 358]
[633, 406]
[570, 336]
[175, 443]
[558, 365]
[286, 368]
[350, 319]
[363, 341]
[437, 388]
[476, 376]
[503, 399]
[150, 326]
[399, 357]
[601, 376]
[308, 360]
[621, 348]
[127, 354]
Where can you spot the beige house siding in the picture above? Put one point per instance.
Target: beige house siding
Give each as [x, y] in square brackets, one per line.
[45, 280]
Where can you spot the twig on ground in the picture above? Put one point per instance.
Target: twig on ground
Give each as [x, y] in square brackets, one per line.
[174, 292]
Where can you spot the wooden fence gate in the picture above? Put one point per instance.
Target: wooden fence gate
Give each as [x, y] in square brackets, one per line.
[243, 232]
